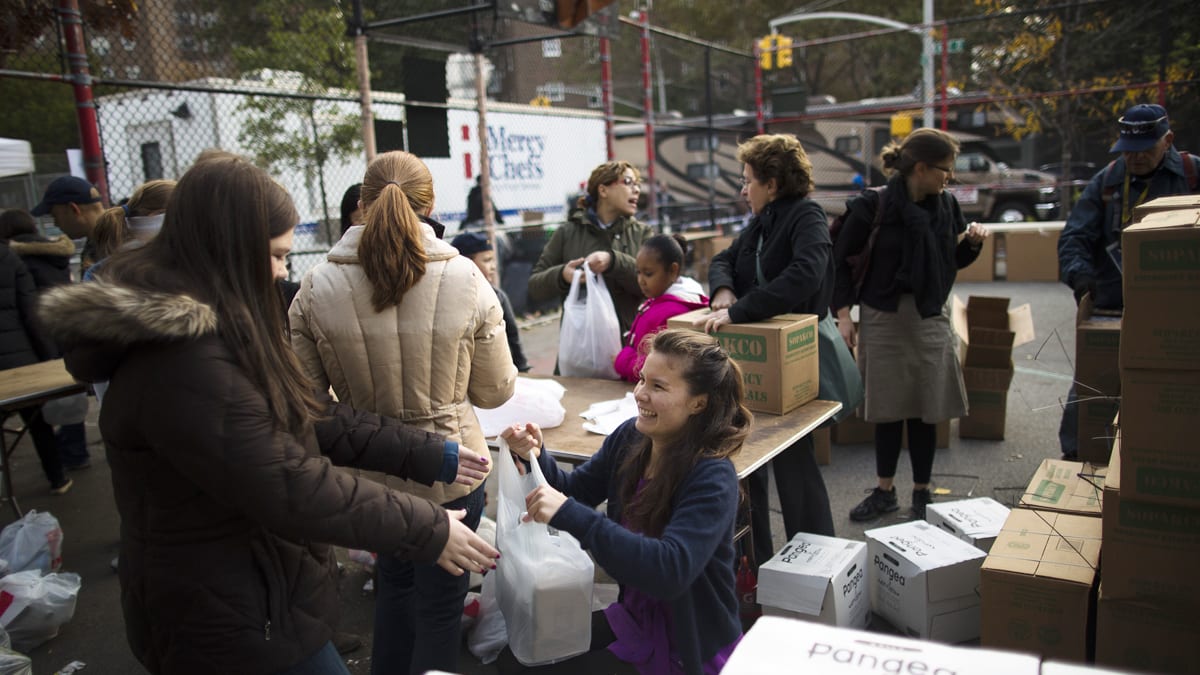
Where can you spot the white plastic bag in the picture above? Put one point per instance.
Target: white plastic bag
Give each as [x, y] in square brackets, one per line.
[32, 606]
[32, 543]
[489, 635]
[543, 579]
[590, 338]
[533, 400]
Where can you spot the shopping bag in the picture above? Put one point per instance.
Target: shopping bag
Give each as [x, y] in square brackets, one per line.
[590, 338]
[32, 543]
[32, 606]
[839, 376]
[543, 578]
[533, 400]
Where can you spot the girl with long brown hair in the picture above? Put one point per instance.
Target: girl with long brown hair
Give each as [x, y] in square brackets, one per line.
[672, 495]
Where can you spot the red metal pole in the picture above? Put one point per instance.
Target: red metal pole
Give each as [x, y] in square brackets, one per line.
[945, 76]
[606, 96]
[759, 116]
[85, 106]
[648, 102]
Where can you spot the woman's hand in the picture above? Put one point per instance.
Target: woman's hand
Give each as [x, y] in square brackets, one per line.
[846, 328]
[722, 299]
[568, 273]
[465, 551]
[599, 261]
[472, 467]
[976, 233]
[525, 441]
[542, 503]
[712, 322]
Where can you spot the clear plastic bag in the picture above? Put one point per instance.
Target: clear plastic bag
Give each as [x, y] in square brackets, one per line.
[543, 579]
[533, 400]
[489, 634]
[590, 338]
[32, 543]
[33, 607]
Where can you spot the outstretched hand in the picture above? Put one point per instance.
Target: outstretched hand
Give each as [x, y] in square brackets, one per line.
[465, 551]
[472, 467]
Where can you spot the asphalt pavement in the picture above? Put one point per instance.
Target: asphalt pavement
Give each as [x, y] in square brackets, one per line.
[997, 469]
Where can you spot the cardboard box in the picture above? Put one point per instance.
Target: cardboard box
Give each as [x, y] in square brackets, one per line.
[984, 267]
[817, 578]
[975, 521]
[776, 645]
[989, 331]
[1066, 487]
[778, 358]
[1161, 265]
[822, 446]
[1150, 550]
[1159, 413]
[1169, 203]
[1037, 584]
[1031, 255]
[987, 417]
[1146, 637]
[1095, 430]
[924, 580]
[1097, 352]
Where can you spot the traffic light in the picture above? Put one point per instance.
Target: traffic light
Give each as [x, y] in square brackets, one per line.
[775, 51]
[765, 46]
[783, 55]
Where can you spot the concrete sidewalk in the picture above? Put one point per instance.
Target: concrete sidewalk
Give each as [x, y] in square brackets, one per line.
[997, 469]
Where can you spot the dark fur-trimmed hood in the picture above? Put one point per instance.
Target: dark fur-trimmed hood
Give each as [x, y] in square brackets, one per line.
[99, 312]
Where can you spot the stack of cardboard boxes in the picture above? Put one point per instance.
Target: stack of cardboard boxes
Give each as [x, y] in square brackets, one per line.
[1097, 380]
[988, 331]
[1038, 584]
[1149, 587]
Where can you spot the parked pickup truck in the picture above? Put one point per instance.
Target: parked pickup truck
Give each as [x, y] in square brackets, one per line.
[990, 191]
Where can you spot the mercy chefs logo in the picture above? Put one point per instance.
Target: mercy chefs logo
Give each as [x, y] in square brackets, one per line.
[515, 156]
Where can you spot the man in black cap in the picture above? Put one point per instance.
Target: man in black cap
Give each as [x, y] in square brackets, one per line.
[76, 206]
[1089, 249]
[475, 246]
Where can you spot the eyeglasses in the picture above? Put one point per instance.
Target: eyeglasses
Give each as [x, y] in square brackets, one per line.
[630, 182]
[944, 169]
[1139, 127]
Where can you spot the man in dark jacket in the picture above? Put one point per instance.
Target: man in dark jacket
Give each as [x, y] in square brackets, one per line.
[22, 344]
[1089, 249]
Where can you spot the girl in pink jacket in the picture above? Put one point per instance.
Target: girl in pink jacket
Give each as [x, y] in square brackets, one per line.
[659, 263]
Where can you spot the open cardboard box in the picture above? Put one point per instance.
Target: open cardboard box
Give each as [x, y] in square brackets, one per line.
[989, 331]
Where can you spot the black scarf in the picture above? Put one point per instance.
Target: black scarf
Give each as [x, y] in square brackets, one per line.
[927, 264]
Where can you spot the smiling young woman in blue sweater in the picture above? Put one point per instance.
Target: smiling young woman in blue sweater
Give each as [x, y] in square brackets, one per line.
[672, 497]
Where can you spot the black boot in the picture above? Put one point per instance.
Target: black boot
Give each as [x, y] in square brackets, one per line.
[876, 504]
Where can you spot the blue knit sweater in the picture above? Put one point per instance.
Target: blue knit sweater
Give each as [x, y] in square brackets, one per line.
[690, 566]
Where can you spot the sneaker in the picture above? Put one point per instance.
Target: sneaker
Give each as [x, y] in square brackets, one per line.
[62, 488]
[877, 503]
[346, 642]
[921, 499]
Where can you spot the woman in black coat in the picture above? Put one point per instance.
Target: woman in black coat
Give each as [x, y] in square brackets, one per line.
[780, 263]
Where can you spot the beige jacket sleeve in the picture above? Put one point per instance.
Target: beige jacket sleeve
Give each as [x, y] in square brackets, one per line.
[304, 340]
[493, 375]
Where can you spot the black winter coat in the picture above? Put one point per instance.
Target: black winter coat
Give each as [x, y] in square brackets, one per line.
[48, 260]
[21, 342]
[796, 261]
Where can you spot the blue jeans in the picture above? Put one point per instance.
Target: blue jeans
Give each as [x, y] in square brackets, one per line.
[72, 444]
[418, 609]
[325, 662]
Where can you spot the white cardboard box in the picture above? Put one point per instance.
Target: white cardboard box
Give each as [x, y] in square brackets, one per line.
[817, 578]
[925, 581]
[776, 645]
[975, 521]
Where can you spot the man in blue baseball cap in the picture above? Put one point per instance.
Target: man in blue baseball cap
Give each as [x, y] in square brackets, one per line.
[1089, 249]
[76, 206]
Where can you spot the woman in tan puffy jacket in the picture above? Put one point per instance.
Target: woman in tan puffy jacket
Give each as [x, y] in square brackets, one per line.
[399, 324]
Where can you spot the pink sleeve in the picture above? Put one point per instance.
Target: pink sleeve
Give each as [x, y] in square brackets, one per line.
[628, 363]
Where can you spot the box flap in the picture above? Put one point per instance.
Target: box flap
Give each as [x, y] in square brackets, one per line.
[1164, 220]
[1050, 545]
[1020, 321]
[975, 518]
[1069, 487]
[1168, 203]
[797, 577]
[987, 312]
